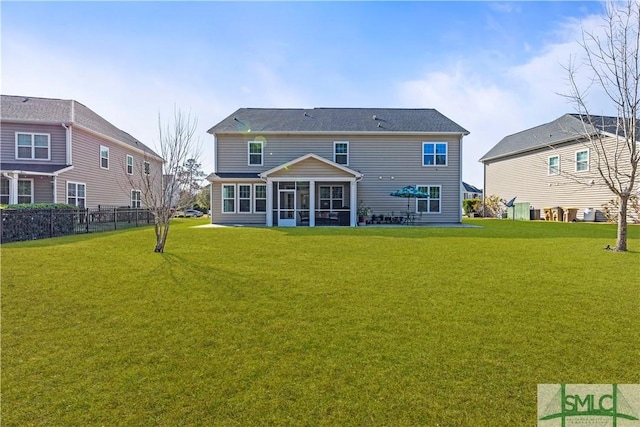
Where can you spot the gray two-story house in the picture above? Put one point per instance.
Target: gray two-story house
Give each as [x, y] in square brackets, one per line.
[322, 166]
[60, 151]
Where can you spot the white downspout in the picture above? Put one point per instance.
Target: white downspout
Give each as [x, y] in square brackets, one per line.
[13, 187]
[69, 156]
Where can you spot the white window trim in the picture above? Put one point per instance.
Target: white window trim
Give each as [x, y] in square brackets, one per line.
[33, 146]
[102, 147]
[575, 165]
[235, 197]
[255, 199]
[335, 153]
[249, 153]
[139, 200]
[435, 154]
[129, 166]
[238, 198]
[19, 195]
[557, 156]
[76, 184]
[428, 212]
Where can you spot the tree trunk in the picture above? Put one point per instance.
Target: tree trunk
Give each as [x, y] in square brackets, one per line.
[621, 242]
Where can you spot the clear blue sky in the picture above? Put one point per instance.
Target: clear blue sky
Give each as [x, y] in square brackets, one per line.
[493, 67]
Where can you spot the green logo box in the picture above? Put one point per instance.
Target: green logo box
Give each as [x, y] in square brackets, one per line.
[603, 405]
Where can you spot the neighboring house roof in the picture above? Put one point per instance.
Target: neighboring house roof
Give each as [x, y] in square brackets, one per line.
[49, 110]
[44, 168]
[470, 188]
[352, 120]
[569, 127]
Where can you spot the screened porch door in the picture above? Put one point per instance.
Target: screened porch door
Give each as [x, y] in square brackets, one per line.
[287, 207]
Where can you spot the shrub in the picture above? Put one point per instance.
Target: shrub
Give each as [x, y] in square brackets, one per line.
[38, 220]
[470, 206]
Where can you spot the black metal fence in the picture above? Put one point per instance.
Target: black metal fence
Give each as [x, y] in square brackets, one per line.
[31, 224]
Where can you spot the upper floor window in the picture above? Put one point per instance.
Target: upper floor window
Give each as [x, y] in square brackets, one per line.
[104, 157]
[136, 198]
[582, 160]
[255, 153]
[553, 165]
[434, 154]
[341, 152]
[33, 146]
[129, 164]
[147, 168]
[433, 203]
[260, 198]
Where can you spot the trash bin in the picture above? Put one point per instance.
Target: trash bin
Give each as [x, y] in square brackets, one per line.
[556, 213]
[547, 214]
[534, 214]
[589, 215]
[570, 214]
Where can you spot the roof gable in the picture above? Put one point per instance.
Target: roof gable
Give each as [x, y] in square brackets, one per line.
[337, 120]
[309, 161]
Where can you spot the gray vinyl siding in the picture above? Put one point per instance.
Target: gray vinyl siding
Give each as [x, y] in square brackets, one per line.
[57, 140]
[525, 176]
[105, 187]
[387, 162]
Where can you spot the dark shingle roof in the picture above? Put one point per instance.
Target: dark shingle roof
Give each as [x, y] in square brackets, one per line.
[470, 188]
[374, 120]
[566, 128]
[48, 110]
[46, 168]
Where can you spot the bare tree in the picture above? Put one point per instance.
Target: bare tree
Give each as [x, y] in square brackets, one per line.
[177, 143]
[612, 61]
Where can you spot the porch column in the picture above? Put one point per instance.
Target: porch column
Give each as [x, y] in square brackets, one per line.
[269, 202]
[55, 188]
[353, 203]
[13, 188]
[312, 203]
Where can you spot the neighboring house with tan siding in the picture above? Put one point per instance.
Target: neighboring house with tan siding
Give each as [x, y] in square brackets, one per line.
[551, 165]
[60, 151]
[292, 167]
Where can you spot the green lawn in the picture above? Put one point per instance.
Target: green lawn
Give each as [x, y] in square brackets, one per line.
[325, 326]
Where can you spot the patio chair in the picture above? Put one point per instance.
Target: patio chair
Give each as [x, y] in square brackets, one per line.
[304, 217]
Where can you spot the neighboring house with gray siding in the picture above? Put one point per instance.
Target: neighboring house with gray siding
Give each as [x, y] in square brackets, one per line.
[60, 151]
[551, 165]
[292, 167]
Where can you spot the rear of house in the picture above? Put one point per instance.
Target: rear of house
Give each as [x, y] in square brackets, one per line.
[60, 151]
[292, 167]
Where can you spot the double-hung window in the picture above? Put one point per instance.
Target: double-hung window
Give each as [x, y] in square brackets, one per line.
[228, 198]
[582, 160]
[129, 164]
[244, 198]
[104, 157]
[136, 199]
[25, 191]
[434, 154]
[341, 152]
[260, 198]
[4, 191]
[553, 165]
[255, 152]
[33, 146]
[433, 203]
[76, 194]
